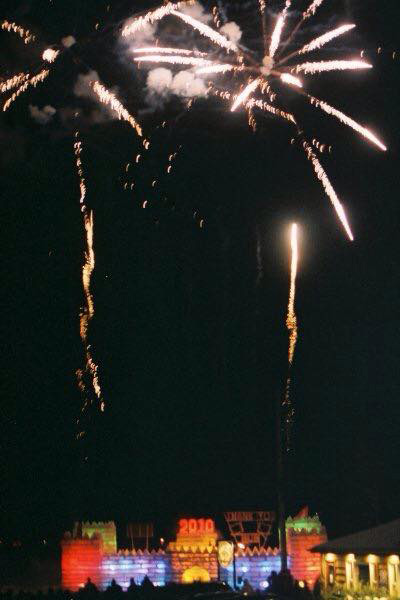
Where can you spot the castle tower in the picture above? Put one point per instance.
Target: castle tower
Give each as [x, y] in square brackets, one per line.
[302, 533]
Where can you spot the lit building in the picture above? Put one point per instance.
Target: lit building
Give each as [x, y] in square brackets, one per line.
[197, 554]
[367, 561]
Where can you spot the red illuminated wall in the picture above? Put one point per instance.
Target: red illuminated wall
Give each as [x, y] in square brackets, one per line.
[80, 559]
[304, 565]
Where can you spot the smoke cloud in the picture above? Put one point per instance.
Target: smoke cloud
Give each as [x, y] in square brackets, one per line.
[42, 115]
[186, 85]
[232, 31]
[162, 83]
[68, 41]
[197, 12]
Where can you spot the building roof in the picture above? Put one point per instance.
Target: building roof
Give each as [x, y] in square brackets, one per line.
[384, 539]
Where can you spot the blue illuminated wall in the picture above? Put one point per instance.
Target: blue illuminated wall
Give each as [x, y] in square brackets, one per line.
[124, 565]
[254, 566]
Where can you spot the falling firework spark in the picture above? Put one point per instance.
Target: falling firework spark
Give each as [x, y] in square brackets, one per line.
[244, 95]
[271, 109]
[151, 17]
[323, 177]
[13, 82]
[25, 34]
[330, 110]
[87, 312]
[207, 31]
[175, 60]
[320, 41]
[291, 79]
[106, 97]
[32, 82]
[312, 9]
[277, 34]
[330, 65]
[159, 50]
[216, 69]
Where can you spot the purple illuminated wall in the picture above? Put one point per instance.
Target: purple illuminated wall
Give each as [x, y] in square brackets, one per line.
[124, 565]
[255, 567]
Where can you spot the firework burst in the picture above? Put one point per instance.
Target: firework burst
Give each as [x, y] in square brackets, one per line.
[245, 74]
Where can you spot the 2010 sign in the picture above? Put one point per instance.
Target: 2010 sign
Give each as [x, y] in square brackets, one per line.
[196, 526]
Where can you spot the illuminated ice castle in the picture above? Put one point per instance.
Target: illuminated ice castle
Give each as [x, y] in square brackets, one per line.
[197, 554]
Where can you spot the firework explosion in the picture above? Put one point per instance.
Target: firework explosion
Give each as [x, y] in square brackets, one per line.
[244, 73]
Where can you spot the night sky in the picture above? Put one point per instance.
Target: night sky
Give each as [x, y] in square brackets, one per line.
[189, 330]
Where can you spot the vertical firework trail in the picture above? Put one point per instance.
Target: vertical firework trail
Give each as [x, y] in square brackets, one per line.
[291, 324]
[88, 378]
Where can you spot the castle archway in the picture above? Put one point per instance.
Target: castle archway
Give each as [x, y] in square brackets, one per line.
[195, 574]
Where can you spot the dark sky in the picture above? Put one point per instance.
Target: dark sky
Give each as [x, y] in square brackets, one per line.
[189, 327]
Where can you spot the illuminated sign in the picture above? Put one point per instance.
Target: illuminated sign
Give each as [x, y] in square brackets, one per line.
[259, 515]
[225, 554]
[196, 533]
[250, 527]
[195, 527]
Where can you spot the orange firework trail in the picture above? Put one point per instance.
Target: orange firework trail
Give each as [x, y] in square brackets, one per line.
[174, 60]
[171, 51]
[244, 95]
[277, 34]
[13, 82]
[107, 97]
[33, 81]
[207, 31]
[25, 34]
[330, 65]
[291, 324]
[291, 320]
[323, 177]
[320, 41]
[151, 17]
[330, 110]
[87, 312]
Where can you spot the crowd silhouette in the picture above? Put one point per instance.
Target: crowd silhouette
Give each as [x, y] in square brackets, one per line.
[281, 586]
